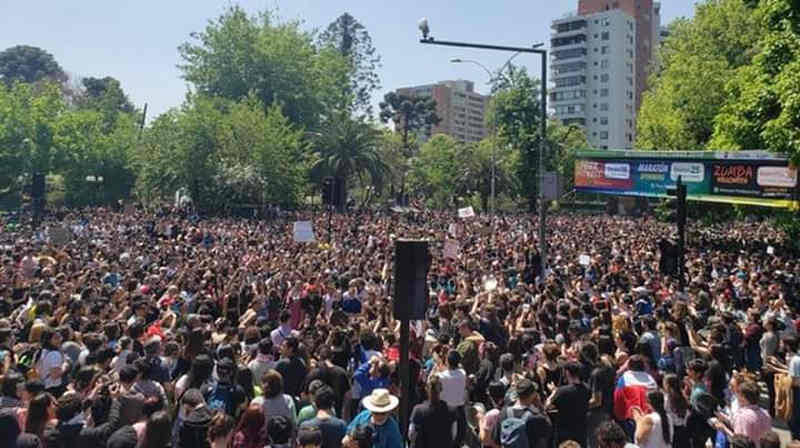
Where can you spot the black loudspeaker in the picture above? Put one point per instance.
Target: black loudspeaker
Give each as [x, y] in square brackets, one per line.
[38, 186]
[411, 264]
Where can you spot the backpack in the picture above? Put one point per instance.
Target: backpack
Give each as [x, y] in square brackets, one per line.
[784, 396]
[513, 432]
[220, 398]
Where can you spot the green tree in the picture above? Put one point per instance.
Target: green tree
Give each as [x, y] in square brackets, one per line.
[694, 63]
[27, 64]
[88, 148]
[238, 54]
[516, 108]
[410, 116]
[348, 147]
[224, 152]
[106, 96]
[349, 37]
[28, 115]
[763, 100]
[440, 171]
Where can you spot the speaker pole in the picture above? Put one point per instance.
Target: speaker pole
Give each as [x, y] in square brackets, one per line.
[405, 380]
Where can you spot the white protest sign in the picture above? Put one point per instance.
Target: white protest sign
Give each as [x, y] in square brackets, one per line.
[585, 260]
[467, 212]
[451, 249]
[770, 250]
[303, 233]
[452, 229]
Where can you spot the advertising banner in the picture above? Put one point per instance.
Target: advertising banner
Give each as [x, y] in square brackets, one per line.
[747, 177]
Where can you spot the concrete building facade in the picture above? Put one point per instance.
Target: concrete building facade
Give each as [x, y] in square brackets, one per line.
[462, 110]
[593, 76]
[599, 64]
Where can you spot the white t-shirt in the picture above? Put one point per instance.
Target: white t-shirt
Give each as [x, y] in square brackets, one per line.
[51, 359]
[454, 387]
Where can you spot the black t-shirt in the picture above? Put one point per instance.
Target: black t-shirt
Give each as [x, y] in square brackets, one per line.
[603, 381]
[572, 403]
[293, 370]
[336, 378]
[433, 424]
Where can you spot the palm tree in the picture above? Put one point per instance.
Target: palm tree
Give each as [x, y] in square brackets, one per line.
[347, 147]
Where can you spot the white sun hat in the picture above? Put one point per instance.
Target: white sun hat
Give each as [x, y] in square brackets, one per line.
[380, 401]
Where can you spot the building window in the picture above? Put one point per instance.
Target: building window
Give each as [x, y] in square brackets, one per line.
[603, 63]
[604, 77]
[630, 95]
[603, 92]
[630, 53]
[630, 137]
[606, 35]
[605, 50]
[604, 121]
[630, 81]
[604, 107]
[594, 134]
[596, 36]
[603, 135]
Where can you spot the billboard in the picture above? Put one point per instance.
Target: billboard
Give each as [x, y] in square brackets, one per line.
[745, 177]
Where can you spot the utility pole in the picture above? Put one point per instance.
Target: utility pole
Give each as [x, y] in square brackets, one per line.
[679, 192]
[427, 39]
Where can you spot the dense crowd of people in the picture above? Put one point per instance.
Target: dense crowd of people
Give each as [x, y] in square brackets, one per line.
[154, 329]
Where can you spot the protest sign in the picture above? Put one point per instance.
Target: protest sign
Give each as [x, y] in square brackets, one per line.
[451, 249]
[467, 212]
[303, 233]
[585, 260]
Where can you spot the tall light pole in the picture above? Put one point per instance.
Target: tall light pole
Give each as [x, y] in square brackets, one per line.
[494, 146]
[428, 39]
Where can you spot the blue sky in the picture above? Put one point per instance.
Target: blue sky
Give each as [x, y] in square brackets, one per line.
[136, 41]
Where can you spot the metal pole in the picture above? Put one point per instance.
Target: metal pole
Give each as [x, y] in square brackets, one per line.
[681, 215]
[405, 380]
[543, 125]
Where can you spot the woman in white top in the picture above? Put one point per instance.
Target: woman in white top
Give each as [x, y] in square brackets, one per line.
[653, 429]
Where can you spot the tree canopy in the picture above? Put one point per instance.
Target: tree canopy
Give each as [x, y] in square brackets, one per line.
[27, 64]
[352, 40]
[238, 54]
[694, 64]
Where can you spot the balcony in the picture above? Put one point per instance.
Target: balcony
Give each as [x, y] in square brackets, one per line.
[569, 41]
[569, 25]
[568, 53]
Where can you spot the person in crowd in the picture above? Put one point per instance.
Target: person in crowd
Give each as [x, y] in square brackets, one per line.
[332, 428]
[435, 423]
[292, 367]
[158, 310]
[653, 430]
[377, 414]
[251, 431]
[528, 409]
[221, 430]
[571, 402]
[274, 401]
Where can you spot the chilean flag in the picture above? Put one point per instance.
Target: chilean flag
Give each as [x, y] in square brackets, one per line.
[631, 391]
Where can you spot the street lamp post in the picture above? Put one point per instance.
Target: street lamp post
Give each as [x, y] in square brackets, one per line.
[428, 39]
[494, 146]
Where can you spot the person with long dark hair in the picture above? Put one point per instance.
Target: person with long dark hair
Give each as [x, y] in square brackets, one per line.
[41, 414]
[49, 362]
[677, 407]
[653, 430]
[199, 375]
[157, 431]
[251, 431]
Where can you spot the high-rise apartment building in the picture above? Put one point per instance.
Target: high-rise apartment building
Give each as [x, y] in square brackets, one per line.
[459, 107]
[599, 65]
